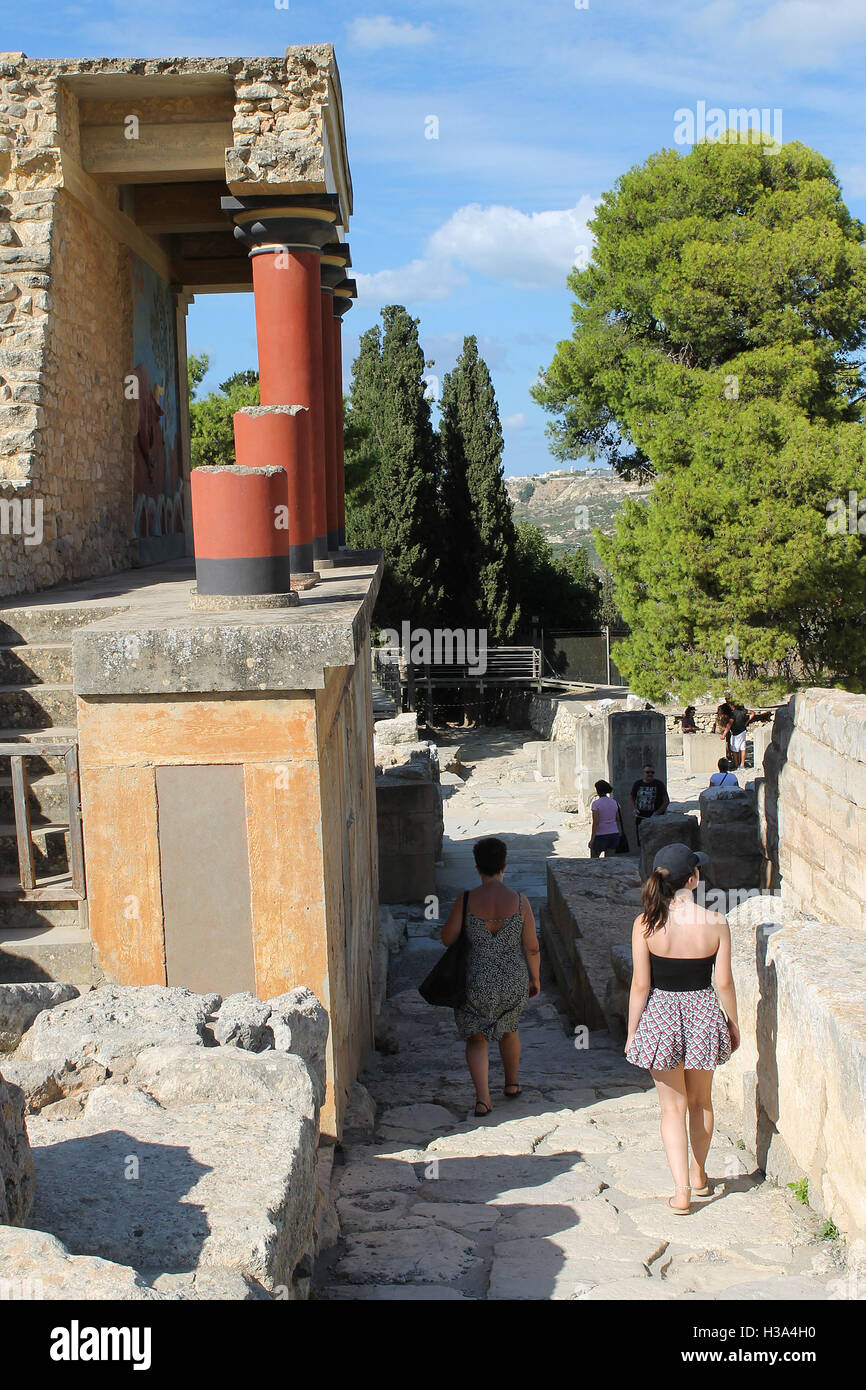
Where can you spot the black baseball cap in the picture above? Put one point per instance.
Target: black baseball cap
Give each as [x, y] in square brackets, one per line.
[679, 860]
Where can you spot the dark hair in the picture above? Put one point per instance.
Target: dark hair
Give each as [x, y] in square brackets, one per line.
[490, 856]
[656, 896]
[603, 788]
[724, 765]
[690, 709]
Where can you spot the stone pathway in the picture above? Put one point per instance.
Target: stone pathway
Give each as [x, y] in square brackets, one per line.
[560, 1193]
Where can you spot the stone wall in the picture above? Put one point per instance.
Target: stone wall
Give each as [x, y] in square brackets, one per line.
[797, 1084]
[813, 805]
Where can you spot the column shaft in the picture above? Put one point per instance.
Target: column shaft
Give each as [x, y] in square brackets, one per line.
[289, 336]
[330, 423]
[338, 416]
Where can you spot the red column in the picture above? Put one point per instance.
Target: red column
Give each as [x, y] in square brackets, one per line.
[239, 549]
[280, 434]
[330, 426]
[338, 416]
[289, 337]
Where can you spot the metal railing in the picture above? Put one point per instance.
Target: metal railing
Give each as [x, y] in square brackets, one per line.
[61, 886]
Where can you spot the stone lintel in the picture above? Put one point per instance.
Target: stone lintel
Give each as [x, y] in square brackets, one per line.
[160, 647]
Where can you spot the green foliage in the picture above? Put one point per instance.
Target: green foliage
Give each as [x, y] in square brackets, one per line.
[393, 466]
[478, 529]
[526, 492]
[212, 441]
[562, 592]
[801, 1190]
[714, 348]
[829, 1231]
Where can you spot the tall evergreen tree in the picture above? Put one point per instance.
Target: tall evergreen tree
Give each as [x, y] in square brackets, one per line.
[482, 557]
[391, 428]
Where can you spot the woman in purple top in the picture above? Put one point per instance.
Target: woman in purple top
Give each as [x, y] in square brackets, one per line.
[606, 822]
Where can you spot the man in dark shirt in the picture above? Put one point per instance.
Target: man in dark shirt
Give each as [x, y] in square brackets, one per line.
[735, 731]
[649, 797]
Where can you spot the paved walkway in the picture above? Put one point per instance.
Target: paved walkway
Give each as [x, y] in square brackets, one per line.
[560, 1193]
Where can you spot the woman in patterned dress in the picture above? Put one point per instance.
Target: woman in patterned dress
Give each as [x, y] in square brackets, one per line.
[676, 1028]
[502, 970]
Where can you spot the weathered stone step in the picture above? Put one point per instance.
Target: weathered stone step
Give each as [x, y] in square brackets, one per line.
[41, 941]
[55, 623]
[50, 849]
[47, 797]
[38, 662]
[35, 706]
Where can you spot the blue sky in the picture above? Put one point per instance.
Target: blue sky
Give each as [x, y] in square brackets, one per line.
[540, 106]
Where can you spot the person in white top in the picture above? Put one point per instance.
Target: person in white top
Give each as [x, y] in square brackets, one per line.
[724, 777]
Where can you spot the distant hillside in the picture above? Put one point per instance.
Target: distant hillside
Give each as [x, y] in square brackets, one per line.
[554, 502]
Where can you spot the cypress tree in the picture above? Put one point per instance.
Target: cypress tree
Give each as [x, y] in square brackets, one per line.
[482, 559]
[391, 417]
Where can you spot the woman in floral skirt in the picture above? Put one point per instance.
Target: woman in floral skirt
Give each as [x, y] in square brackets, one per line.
[676, 1027]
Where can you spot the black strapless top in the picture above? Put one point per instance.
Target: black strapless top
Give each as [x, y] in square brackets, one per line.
[677, 973]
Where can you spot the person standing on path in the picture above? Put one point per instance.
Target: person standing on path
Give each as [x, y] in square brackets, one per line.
[606, 822]
[676, 1028]
[502, 970]
[649, 797]
[736, 733]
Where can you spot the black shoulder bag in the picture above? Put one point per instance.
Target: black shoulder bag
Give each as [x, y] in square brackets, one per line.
[446, 983]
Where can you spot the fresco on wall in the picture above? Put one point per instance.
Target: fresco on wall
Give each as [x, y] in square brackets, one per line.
[157, 481]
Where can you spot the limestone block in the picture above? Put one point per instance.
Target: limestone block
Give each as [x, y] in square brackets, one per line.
[300, 1024]
[177, 1076]
[391, 931]
[36, 1265]
[565, 768]
[702, 753]
[409, 824]
[730, 837]
[17, 1182]
[242, 1021]
[225, 1184]
[403, 728]
[20, 1005]
[48, 1080]
[674, 827]
[117, 1022]
[761, 736]
[674, 744]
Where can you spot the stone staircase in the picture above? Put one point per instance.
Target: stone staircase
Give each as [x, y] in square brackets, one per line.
[42, 934]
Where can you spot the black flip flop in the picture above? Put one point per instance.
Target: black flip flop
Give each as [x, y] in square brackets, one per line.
[512, 1090]
[482, 1108]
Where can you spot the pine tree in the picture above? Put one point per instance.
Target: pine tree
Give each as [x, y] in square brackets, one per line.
[390, 419]
[718, 346]
[482, 559]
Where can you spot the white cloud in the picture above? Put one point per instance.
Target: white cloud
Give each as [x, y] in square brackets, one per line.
[530, 251]
[381, 31]
[514, 422]
[420, 280]
[526, 250]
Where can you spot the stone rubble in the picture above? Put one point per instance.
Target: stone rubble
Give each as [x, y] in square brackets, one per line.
[174, 1146]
